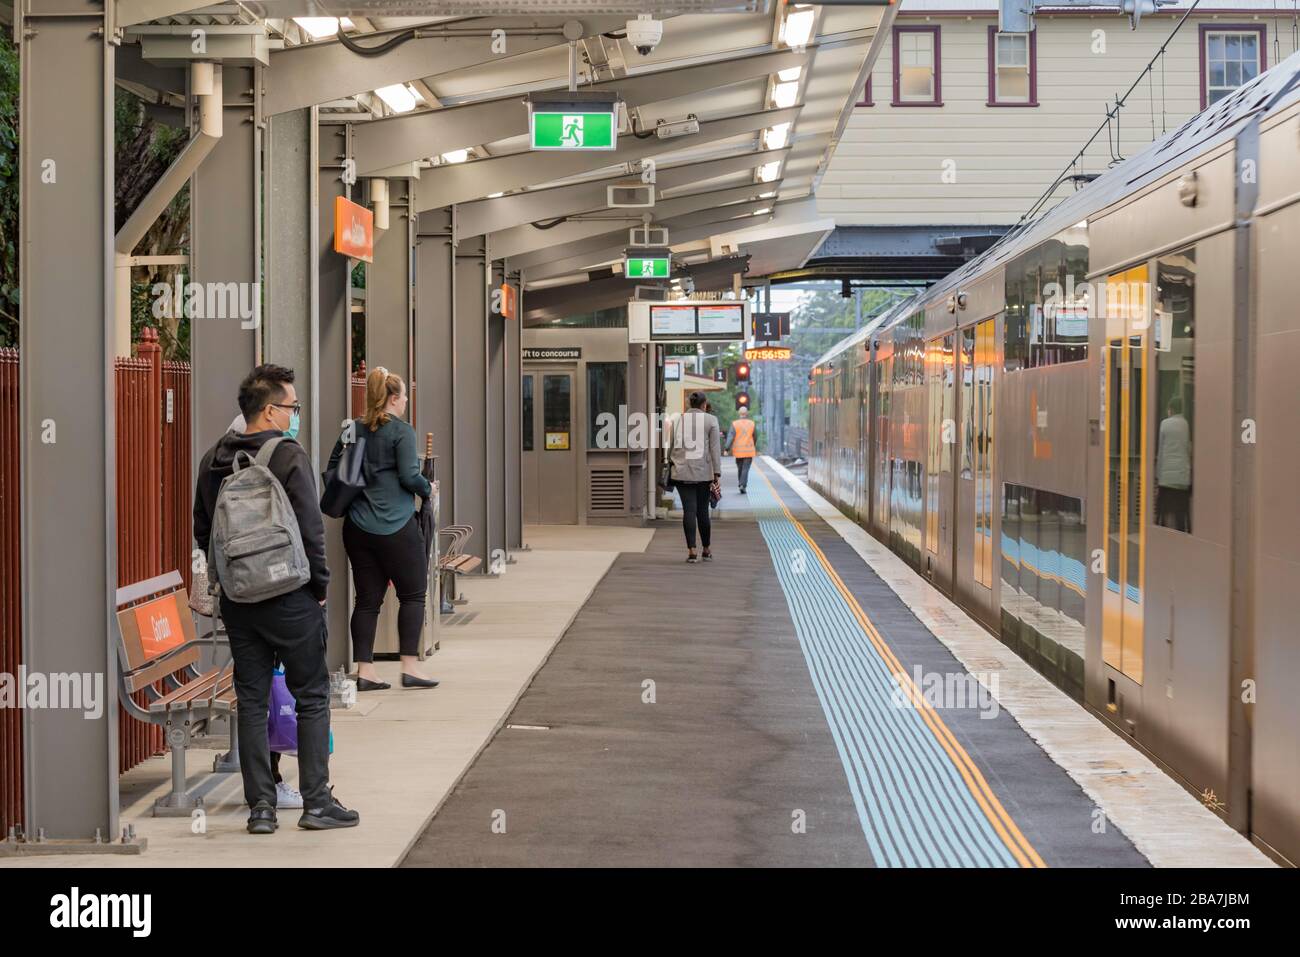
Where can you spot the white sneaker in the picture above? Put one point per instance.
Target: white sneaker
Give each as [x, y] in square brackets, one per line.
[287, 797]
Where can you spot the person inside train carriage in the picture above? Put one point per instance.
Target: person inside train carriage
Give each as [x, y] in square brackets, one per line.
[740, 442]
[1174, 469]
[381, 532]
[695, 464]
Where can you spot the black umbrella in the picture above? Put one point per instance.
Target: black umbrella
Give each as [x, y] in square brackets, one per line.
[425, 519]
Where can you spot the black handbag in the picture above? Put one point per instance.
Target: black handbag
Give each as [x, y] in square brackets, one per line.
[666, 481]
[343, 483]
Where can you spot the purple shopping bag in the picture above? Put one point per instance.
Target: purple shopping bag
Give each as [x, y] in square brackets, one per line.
[282, 720]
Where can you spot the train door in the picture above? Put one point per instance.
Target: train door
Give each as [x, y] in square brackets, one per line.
[940, 474]
[1124, 513]
[973, 559]
[862, 505]
[883, 465]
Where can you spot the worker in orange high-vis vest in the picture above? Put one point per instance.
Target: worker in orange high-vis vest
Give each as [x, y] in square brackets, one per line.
[740, 440]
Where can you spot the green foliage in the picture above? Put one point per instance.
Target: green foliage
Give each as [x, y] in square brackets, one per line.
[821, 319]
[173, 333]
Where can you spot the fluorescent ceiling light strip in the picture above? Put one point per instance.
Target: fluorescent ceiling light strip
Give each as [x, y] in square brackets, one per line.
[399, 97]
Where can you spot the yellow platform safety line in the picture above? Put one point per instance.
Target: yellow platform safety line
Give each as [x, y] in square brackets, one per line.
[988, 802]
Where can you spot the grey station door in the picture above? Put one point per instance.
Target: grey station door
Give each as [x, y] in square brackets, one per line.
[550, 447]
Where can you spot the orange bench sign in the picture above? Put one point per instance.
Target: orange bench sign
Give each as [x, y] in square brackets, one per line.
[159, 623]
[354, 230]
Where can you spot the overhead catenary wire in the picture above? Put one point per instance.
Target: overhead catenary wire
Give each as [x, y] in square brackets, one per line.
[1120, 101]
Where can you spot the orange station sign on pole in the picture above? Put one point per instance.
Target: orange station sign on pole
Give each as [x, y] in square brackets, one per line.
[354, 230]
[509, 302]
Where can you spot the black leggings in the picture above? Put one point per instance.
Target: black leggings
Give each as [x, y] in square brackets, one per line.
[377, 560]
[695, 510]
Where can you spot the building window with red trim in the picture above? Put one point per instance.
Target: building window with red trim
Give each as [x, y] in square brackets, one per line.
[1013, 69]
[917, 67]
[1231, 55]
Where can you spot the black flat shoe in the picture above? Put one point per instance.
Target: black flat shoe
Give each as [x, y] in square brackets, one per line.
[329, 817]
[365, 684]
[262, 820]
[410, 681]
[707, 556]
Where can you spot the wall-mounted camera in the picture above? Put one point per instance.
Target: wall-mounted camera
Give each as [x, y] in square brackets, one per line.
[644, 33]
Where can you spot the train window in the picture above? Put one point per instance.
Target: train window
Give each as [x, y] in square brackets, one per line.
[1047, 306]
[1173, 346]
[1044, 582]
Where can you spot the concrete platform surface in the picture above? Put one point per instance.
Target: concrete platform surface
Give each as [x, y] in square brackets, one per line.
[396, 762]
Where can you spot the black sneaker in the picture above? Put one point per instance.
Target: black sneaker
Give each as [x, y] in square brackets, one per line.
[329, 817]
[261, 820]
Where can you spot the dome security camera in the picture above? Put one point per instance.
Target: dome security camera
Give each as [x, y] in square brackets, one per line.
[644, 33]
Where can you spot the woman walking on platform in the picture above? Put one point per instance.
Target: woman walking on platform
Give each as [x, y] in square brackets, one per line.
[695, 454]
[381, 534]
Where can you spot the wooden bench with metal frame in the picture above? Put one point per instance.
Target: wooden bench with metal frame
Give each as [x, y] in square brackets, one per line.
[452, 562]
[157, 641]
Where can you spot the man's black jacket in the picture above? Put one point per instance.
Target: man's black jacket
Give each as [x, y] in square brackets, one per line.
[289, 464]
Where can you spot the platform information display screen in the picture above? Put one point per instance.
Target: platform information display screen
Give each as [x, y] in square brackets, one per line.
[683, 324]
[726, 319]
[672, 322]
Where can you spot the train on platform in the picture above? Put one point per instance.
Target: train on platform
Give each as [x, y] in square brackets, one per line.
[1087, 438]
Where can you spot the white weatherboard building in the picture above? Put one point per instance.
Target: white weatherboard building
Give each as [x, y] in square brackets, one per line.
[962, 127]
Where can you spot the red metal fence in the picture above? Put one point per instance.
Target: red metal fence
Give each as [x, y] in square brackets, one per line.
[11, 728]
[139, 518]
[177, 484]
[154, 501]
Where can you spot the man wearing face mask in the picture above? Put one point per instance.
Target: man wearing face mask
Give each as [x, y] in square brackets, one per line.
[289, 626]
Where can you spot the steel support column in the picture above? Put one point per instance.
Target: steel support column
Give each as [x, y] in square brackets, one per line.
[471, 398]
[514, 436]
[66, 413]
[435, 345]
[292, 254]
[498, 481]
[390, 291]
[226, 262]
[334, 347]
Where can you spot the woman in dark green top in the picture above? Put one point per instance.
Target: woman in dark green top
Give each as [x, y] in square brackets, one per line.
[381, 535]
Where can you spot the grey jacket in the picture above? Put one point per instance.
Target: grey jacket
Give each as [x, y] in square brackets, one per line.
[695, 447]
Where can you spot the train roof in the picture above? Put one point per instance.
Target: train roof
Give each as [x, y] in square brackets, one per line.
[1272, 90]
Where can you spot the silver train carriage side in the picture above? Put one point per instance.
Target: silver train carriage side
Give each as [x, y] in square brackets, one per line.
[1087, 438]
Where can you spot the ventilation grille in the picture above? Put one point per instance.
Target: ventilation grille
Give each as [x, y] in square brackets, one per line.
[607, 493]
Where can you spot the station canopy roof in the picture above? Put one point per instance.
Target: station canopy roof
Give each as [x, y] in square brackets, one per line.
[770, 85]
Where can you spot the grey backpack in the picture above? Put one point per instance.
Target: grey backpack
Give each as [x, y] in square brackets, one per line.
[256, 552]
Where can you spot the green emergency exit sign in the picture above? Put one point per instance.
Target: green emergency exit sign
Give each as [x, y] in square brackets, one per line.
[573, 131]
[573, 120]
[646, 267]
